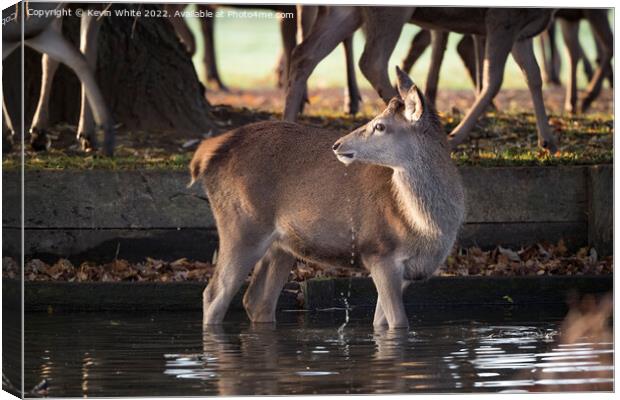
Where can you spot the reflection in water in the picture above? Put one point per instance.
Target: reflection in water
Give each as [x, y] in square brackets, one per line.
[168, 354]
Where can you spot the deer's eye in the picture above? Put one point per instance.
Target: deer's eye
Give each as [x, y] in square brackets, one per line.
[380, 127]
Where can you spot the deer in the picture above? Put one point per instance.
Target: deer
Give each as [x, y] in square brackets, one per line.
[386, 197]
[43, 34]
[506, 30]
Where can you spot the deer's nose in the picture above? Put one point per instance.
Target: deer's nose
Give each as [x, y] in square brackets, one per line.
[335, 146]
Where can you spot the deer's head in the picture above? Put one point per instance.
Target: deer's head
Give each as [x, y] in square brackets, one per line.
[406, 127]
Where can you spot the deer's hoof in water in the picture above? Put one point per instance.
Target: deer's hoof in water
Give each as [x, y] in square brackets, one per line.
[39, 139]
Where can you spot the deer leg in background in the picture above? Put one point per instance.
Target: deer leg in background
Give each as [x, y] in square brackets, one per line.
[570, 32]
[381, 40]
[602, 34]
[212, 74]
[54, 44]
[439, 40]
[333, 25]
[89, 32]
[466, 51]
[8, 129]
[39, 140]
[269, 277]
[353, 98]
[180, 27]
[523, 53]
[551, 60]
[498, 45]
[479, 48]
[419, 43]
[288, 32]
[587, 67]
[610, 71]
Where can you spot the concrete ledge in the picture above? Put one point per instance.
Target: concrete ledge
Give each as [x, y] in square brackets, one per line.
[317, 293]
[449, 291]
[84, 214]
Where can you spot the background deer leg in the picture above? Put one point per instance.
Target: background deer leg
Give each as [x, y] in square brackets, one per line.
[89, 32]
[381, 40]
[54, 44]
[604, 36]
[210, 65]
[466, 51]
[439, 40]
[388, 279]
[523, 53]
[570, 33]
[8, 129]
[288, 32]
[353, 98]
[333, 25]
[497, 48]
[419, 43]
[180, 27]
[39, 141]
[269, 277]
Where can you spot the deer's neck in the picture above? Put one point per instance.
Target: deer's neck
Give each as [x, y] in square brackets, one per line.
[423, 199]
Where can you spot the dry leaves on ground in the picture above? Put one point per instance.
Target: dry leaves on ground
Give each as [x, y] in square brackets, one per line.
[535, 260]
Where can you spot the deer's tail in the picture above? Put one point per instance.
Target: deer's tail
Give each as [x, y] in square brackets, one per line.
[203, 155]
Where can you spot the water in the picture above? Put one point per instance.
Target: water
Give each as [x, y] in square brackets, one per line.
[337, 351]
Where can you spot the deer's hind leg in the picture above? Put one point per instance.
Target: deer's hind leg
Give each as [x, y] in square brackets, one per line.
[269, 277]
[523, 53]
[239, 250]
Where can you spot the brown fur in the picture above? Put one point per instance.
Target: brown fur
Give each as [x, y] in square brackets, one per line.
[278, 192]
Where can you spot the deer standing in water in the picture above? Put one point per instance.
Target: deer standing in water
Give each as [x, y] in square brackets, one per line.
[393, 204]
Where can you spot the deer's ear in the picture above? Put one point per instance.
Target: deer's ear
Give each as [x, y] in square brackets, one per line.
[414, 104]
[403, 83]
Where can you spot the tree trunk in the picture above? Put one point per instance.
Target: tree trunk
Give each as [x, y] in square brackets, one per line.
[146, 76]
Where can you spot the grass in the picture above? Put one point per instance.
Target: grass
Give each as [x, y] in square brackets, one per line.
[500, 139]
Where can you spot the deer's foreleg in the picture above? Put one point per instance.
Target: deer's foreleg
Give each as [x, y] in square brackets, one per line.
[89, 32]
[333, 25]
[498, 45]
[381, 38]
[419, 43]
[59, 48]
[39, 139]
[439, 42]
[210, 64]
[604, 36]
[180, 27]
[523, 53]
[353, 98]
[466, 51]
[387, 276]
[570, 32]
[288, 31]
[8, 134]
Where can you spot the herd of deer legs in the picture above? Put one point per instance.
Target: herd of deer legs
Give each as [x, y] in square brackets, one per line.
[490, 35]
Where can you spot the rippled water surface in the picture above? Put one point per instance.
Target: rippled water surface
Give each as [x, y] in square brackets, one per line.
[165, 354]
